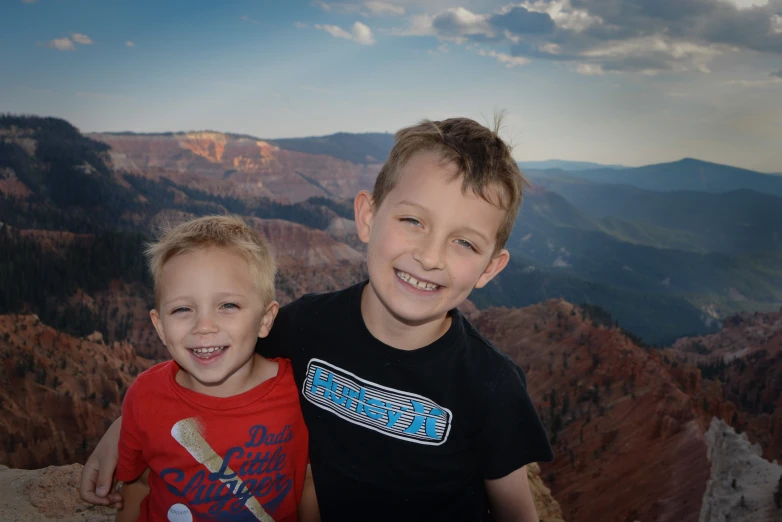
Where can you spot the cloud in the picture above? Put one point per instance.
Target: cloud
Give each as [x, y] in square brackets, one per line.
[300, 25]
[335, 31]
[248, 19]
[564, 15]
[773, 79]
[590, 69]
[360, 33]
[61, 44]
[701, 22]
[338, 7]
[756, 83]
[747, 4]
[620, 36]
[130, 44]
[419, 25]
[321, 5]
[363, 34]
[81, 39]
[521, 21]
[508, 60]
[383, 8]
[460, 24]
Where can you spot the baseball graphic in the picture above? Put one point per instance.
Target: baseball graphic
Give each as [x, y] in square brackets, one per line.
[187, 433]
[179, 513]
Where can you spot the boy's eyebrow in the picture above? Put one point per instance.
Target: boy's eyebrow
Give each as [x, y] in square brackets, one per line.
[421, 207]
[479, 234]
[174, 299]
[230, 294]
[411, 204]
[221, 295]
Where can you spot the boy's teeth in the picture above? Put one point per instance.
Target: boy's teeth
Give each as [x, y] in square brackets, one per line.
[208, 350]
[412, 281]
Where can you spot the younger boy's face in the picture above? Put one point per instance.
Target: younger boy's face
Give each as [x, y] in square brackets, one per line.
[429, 243]
[209, 317]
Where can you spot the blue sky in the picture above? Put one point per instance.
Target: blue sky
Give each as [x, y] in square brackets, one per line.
[612, 81]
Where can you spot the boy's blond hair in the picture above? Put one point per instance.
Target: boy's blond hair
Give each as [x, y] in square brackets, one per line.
[228, 232]
[483, 161]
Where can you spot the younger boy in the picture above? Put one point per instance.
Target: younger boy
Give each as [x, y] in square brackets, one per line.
[219, 426]
[413, 415]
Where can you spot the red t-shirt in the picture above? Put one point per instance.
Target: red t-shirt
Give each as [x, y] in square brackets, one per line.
[214, 458]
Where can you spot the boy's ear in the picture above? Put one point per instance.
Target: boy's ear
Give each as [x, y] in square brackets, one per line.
[153, 314]
[495, 266]
[268, 318]
[363, 210]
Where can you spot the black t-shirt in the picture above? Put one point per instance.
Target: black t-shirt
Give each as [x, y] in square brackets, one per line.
[403, 435]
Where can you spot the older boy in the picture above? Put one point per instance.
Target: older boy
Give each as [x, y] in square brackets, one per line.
[219, 426]
[412, 414]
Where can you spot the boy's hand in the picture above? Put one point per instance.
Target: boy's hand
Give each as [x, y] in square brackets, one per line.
[97, 477]
[133, 495]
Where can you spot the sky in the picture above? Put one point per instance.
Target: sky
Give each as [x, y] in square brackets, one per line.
[628, 82]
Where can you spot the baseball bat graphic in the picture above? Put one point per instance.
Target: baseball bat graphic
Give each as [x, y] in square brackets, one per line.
[187, 434]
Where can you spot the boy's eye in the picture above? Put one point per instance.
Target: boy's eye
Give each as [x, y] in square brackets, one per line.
[230, 306]
[465, 244]
[412, 221]
[180, 309]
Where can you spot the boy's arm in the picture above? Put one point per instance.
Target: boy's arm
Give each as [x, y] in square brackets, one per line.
[511, 436]
[308, 506]
[97, 477]
[510, 498]
[133, 494]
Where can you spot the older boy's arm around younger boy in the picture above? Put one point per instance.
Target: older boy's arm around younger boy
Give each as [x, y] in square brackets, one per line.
[97, 477]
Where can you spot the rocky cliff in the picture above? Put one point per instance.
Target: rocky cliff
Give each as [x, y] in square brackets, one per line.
[742, 484]
[742, 369]
[50, 494]
[237, 165]
[58, 393]
[629, 442]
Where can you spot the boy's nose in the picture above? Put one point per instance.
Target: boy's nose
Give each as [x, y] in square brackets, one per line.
[430, 253]
[205, 324]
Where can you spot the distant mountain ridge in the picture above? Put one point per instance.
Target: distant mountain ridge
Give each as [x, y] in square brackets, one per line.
[741, 222]
[358, 148]
[566, 165]
[370, 147]
[685, 174]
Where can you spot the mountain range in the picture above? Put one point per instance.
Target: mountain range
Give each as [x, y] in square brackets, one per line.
[555, 164]
[637, 313]
[664, 263]
[685, 174]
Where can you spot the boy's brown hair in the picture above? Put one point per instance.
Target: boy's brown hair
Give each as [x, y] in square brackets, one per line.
[482, 159]
[228, 232]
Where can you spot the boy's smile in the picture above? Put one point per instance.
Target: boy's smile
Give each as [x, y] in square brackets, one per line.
[210, 317]
[429, 245]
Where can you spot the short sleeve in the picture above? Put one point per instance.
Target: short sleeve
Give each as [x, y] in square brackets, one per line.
[131, 462]
[511, 435]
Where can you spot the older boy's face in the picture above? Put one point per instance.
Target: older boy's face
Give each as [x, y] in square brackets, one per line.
[429, 244]
[210, 317]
